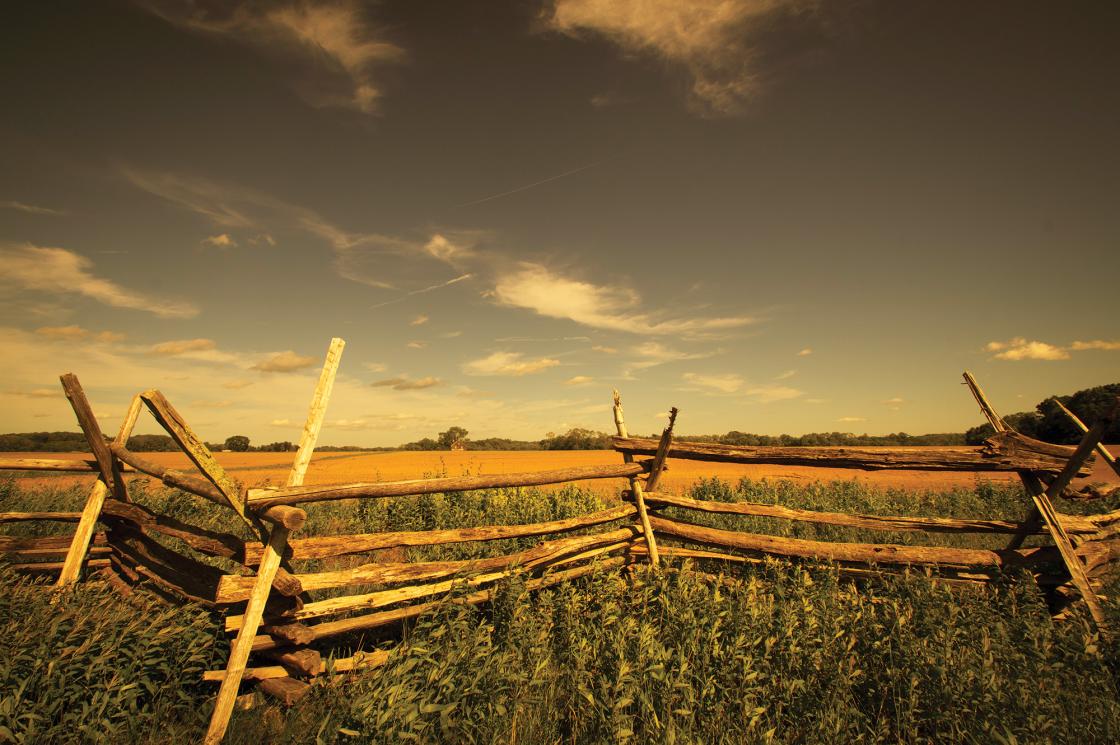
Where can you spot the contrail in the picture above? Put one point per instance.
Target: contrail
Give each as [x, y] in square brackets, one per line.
[422, 290]
[526, 187]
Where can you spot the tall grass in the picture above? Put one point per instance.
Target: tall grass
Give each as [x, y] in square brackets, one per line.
[771, 653]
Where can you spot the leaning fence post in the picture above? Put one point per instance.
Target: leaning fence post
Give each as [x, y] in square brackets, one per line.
[274, 550]
[1081, 426]
[108, 474]
[636, 487]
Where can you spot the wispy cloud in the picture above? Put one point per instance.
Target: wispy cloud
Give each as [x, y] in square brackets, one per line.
[805, 352]
[32, 209]
[526, 187]
[851, 419]
[183, 346]
[341, 51]
[716, 41]
[418, 321]
[508, 363]
[727, 383]
[786, 375]
[536, 288]
[654, 353]
[579, 380]
[285, 362]
[59, 271]
[62, 332]
[1107, 346]
[407, 384]
[766, 394]
[417, 344]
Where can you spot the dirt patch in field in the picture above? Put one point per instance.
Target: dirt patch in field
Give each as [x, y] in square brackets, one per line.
[257, 469]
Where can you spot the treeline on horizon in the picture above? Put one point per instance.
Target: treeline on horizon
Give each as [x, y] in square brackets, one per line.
[1047, 423]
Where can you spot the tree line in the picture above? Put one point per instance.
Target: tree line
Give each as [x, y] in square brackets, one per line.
[1046, 422]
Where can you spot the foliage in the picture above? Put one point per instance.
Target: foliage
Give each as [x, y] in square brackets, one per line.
[151, 444]
[237, 443]
[452, 437]
[771, 653]
[577, 439]
[1050, 424]
[95, 667]
[46, 442]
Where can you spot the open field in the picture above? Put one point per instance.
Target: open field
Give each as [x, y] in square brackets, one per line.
[257, 469]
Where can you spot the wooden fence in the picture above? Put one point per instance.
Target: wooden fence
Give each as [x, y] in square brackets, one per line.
[275, 619]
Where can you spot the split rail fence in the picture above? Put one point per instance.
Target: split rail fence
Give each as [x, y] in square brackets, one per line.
[275, 619]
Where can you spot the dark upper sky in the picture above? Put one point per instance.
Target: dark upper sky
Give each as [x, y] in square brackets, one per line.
[779, 215]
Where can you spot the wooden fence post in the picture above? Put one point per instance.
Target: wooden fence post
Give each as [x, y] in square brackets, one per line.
[274, 550]
[1101, 449]
[636, 487]
[109, 475]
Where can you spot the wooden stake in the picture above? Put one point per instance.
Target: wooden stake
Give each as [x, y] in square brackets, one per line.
[109, 474]
[315, 413]
[1100, 447]
[274, 551]
[636, 487]
[1031, 481]
[662, 453]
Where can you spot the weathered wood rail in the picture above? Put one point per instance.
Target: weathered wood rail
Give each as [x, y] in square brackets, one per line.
[288, 615]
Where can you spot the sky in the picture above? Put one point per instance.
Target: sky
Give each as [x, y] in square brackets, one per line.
[777, 215]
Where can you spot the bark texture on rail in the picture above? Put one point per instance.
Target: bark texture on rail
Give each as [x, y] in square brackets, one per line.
[266, 498]
[321, 547]
[1004, 451]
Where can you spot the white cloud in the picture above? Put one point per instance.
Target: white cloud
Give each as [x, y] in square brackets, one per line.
[287, 423]
[716, 41]
[895, 401]
[728, 383]
[508, 363]
[536, 288]
[848, 419]
[222, 240]
[1108, 346]
[1020, 348]
[417, 344]
[406, 384]
[579, 380]
[805, 352]
[604, 350]
[33, 209]
[341, 51]
[284, 362]
[786, 375]
[418, 321]
[62, 272]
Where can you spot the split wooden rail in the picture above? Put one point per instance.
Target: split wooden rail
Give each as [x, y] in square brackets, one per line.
[288, 618]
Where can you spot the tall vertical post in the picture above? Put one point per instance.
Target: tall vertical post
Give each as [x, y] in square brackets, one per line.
[273, 552]
[636, 486]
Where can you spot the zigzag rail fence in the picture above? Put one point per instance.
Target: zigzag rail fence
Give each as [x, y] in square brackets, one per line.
[270, 609]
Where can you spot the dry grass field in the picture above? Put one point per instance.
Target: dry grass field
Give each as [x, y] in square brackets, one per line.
[257, 469]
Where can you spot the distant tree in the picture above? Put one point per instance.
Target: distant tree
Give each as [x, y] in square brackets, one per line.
[151, 444]
[237, 443]
[277, 447]
[577, 439]
[452, 437]
[426, 443]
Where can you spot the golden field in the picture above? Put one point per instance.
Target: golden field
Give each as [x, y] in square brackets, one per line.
[257, 469]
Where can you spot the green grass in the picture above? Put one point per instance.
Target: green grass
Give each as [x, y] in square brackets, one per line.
[772, 653]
